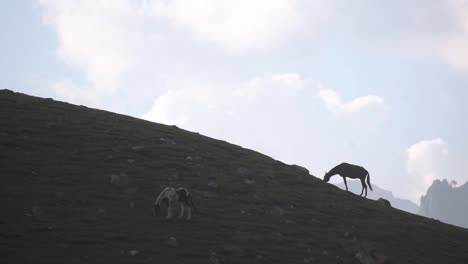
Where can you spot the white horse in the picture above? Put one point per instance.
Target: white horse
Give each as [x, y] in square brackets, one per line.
[169, 196]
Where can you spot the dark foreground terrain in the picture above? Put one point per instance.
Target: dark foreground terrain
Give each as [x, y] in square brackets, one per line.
[58, 204]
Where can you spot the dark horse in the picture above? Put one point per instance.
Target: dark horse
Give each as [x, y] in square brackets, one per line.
[351, 171]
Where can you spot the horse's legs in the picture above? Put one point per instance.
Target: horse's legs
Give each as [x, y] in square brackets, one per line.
[182, 209]
[344, 179]
[189, 212]
[169, 210]
[363, 186]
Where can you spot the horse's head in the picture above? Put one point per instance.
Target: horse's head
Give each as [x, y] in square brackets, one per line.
[327, 176]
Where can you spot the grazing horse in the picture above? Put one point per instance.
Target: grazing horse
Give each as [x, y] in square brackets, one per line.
[351, 171]
[169, 196]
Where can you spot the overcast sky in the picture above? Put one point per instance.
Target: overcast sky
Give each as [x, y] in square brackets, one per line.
[383, 84]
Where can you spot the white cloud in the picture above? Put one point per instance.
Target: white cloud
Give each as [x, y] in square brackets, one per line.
[454, 51]
[178, 107]
[454, 47]
[124, 42]
[68, 91]
[109, 41]
[235, 25]
[278, 85]
[195, 99]
[425, 162]
[103, 39]
[161, 110]
[275, 113]
[333, 102]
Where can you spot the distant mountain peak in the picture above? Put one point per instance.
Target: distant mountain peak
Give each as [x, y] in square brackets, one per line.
[446, 202]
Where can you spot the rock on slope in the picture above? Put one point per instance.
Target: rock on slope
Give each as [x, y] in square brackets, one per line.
[402, 204]
[61, 204]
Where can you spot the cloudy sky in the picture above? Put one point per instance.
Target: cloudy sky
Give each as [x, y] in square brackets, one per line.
[383, 84]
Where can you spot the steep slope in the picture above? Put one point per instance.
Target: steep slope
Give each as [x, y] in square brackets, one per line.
[58, 205]
[402, 204]
[446, 203]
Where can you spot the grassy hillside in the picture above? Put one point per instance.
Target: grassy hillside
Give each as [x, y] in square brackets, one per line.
[58, 205]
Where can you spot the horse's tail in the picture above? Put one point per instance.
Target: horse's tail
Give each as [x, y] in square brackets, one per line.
[368, 181]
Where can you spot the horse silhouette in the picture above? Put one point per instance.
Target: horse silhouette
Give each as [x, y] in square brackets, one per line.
[351, 171]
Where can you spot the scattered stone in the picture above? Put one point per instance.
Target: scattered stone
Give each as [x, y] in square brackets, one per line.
[175, 176]
[214, 258]
[242, 237]
[138, 148]
[385, 202]
[213, 184]
[242, 171]
[193, 158]
[315, 221]
[83, 199]
[132, 190]
[132, 205]
[59, 195]
[257, 198]
[289, 222]
[172, 242]
[133, 252]
[271, 179]
[277, 210]
[39, 214]
[50, 124]
[249, 181]
[209, 194]
[234, 250]
[309, 260]
[130, 161]
[120, 179]
[102, 212]
[363, 252]
[167, 141]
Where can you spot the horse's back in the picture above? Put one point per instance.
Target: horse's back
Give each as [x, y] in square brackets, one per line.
[353, 169]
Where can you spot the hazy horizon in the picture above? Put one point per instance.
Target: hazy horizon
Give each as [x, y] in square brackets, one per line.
[314, 83]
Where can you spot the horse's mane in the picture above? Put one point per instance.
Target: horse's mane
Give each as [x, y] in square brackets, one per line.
[335, 169]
